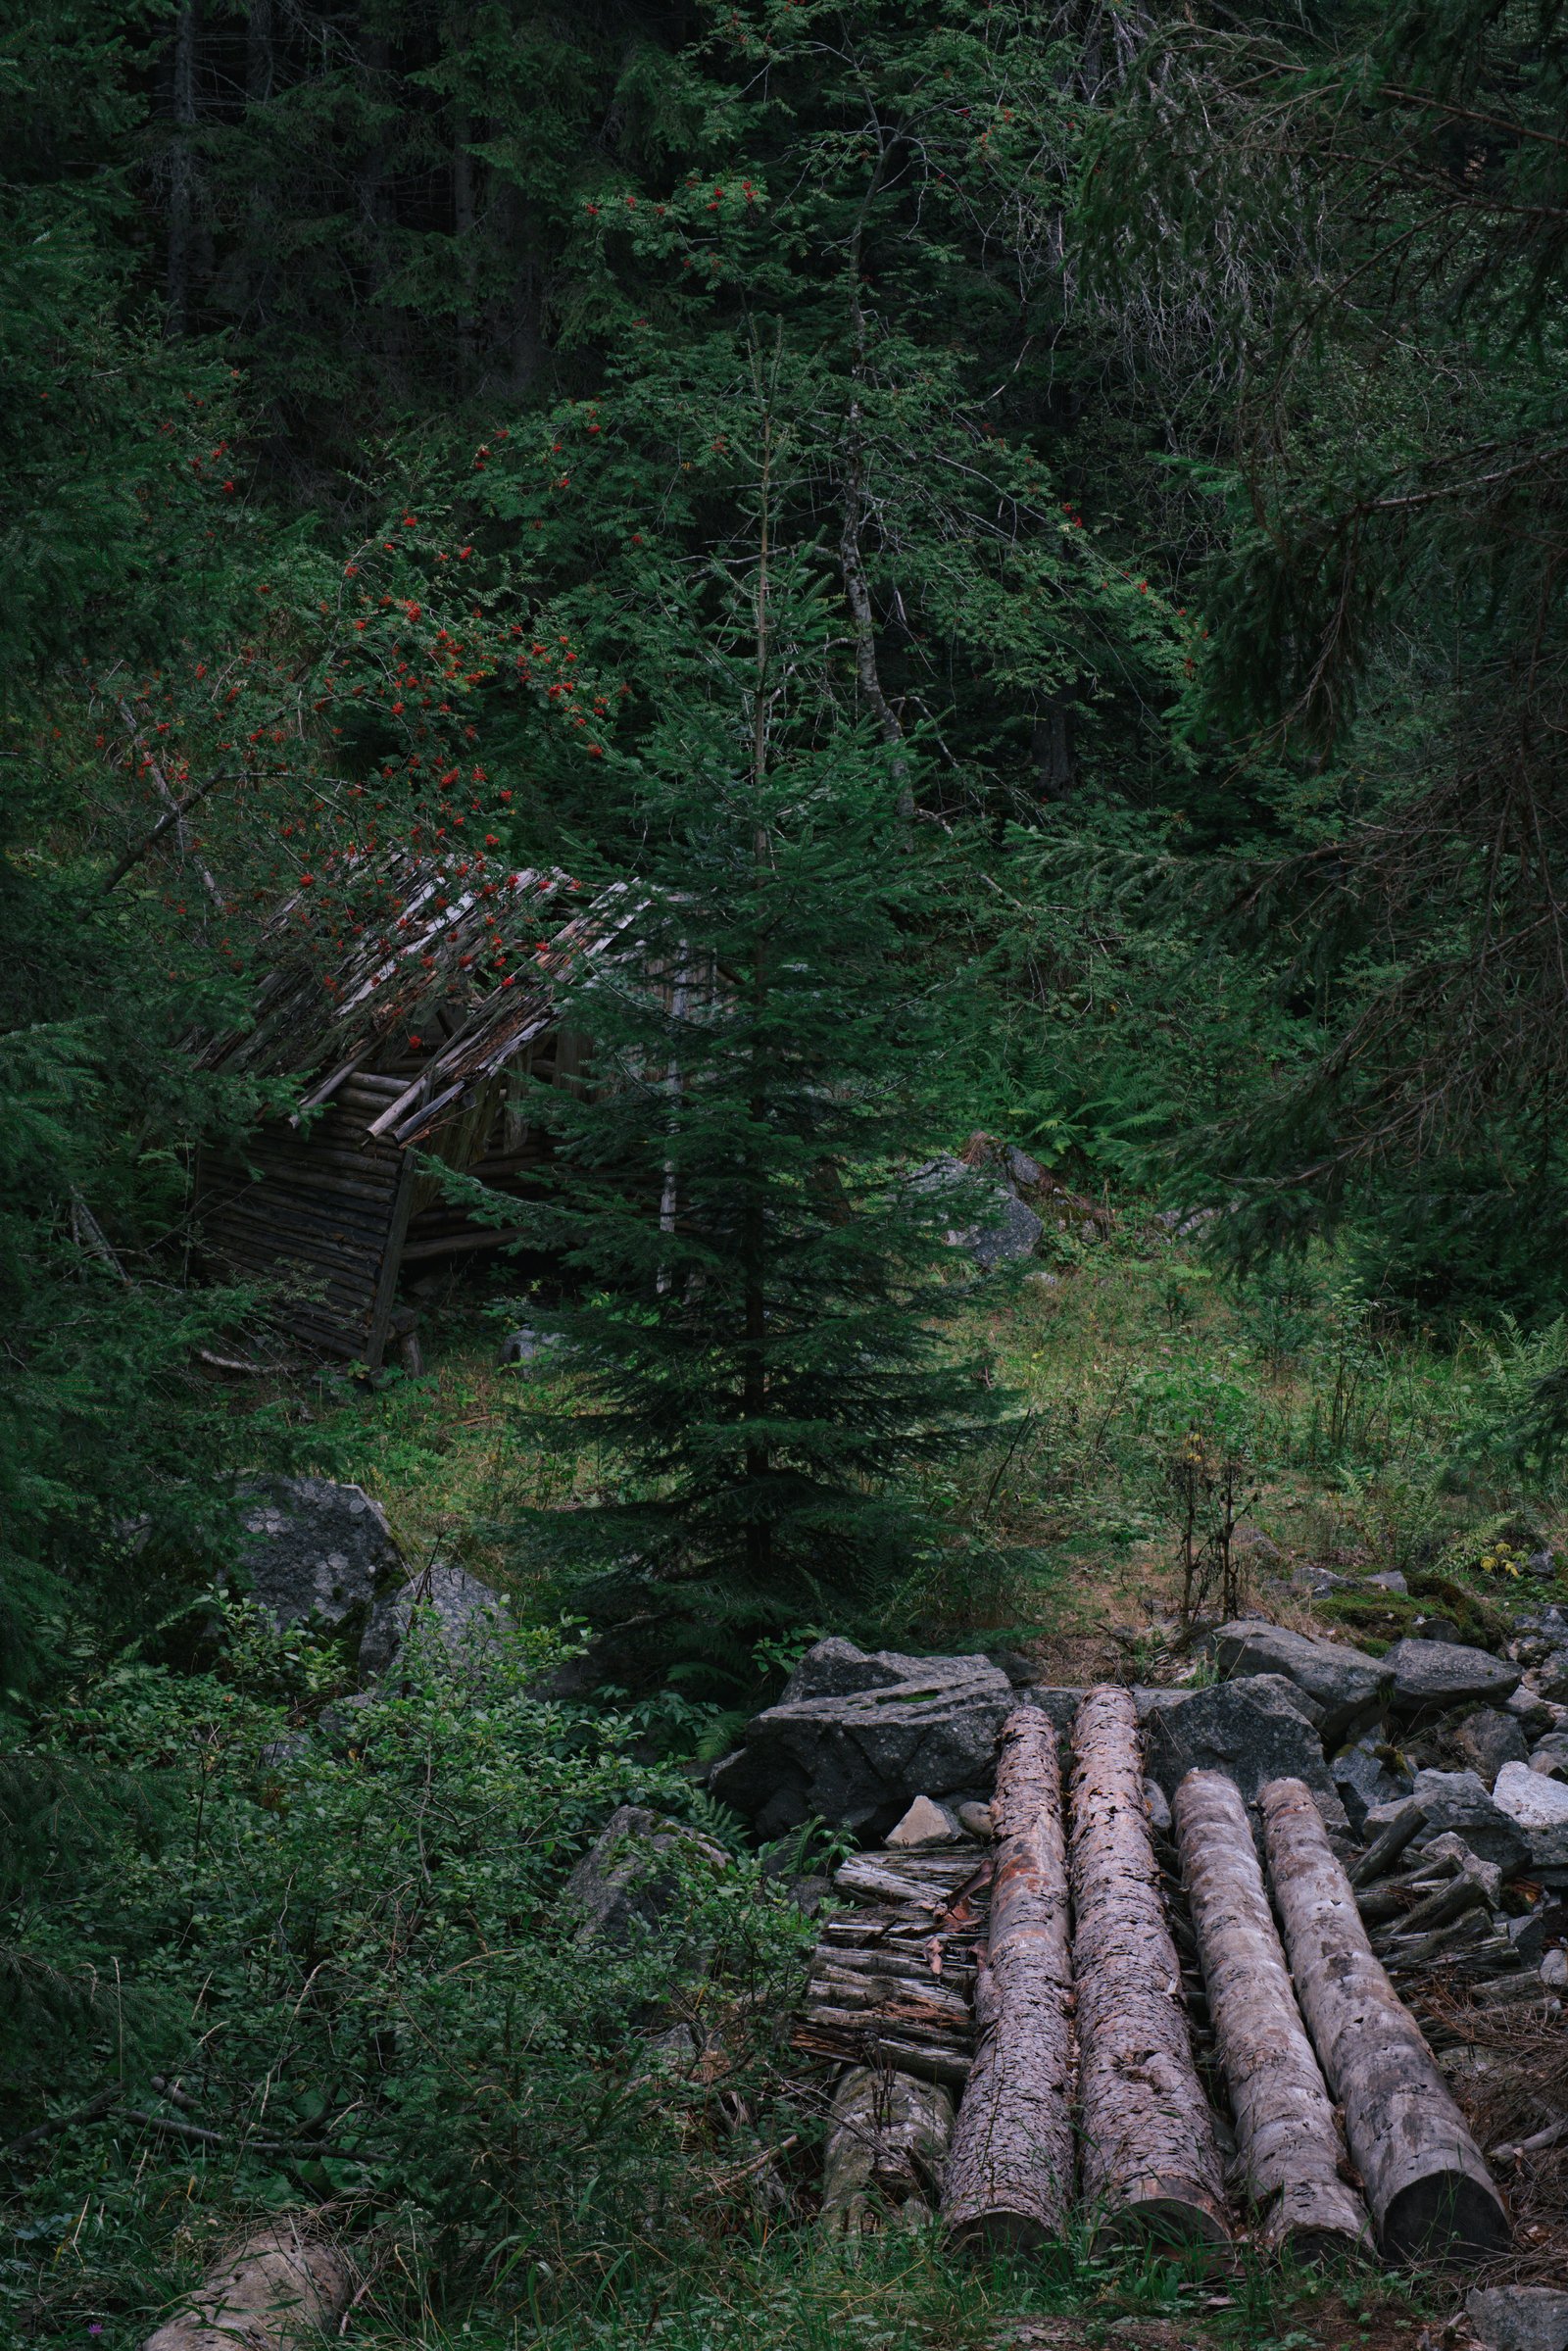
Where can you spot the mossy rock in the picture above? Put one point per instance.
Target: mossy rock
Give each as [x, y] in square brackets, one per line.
[1479, 1619]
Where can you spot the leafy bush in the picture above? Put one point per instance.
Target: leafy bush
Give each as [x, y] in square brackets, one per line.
[338, 1965]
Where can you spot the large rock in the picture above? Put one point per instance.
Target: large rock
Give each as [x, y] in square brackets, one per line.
[1519, 2318]
[1431, 1675]
[1458, 1801]
[1348, 1689]
[317, 1552]
[1253, 1728]
[630, 1877]
[1531, 1799]
[1010, 1227]
[1487, 1740]
[856, 1736]
[466, 1614]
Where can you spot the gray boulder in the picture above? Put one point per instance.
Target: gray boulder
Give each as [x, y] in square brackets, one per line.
[1530, 1797]
[525, 1345]
[630, 1877]
[468, 1615]
[1348, 1689]
[1061, 1704]
[1551, 1756]
[1519, 2318]
[1432, 1675]
[996, 1224]
[1547, 1861]
[1458, 1801]
[1363, 1780]
[1550, 1677]
[316, 1551]
[1487, 1740]
[856, 1736]
[1253, 1729]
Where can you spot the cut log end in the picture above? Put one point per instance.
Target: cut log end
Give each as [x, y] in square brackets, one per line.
[1444, 2216]
[1165, 2211]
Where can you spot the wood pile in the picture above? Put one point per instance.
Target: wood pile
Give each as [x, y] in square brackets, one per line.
[1182, 2028]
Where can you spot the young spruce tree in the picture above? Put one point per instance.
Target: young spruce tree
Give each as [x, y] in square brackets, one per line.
[759, 1330]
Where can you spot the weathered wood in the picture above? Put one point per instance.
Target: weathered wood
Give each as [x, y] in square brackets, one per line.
[1426, 2181]
[867, 2047]
[1150, 2166]
[1389, 1844]
[1010, 2171]
[1287, 2139]
[886, 2145]
[280, 2287]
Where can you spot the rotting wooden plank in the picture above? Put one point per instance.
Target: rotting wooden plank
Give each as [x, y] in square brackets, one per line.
[386, 1293]
[1287, 2139]
[1011, 2169]
[1150, 2165]
[1426, 2182]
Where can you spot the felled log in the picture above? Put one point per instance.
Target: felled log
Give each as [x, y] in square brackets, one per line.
[1150, 2166]
[1009, 2175]
[1287, 2139]
[1426, 2183]
[275, 2290]
[886, 2145]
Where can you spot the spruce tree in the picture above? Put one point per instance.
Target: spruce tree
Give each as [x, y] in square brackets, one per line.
[757, 1341]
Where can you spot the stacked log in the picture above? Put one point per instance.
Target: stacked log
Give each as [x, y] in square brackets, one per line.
[1009, 2175]
[891, 1981]
[1287, 2144]
[1426, 2181]
[1150, 2166]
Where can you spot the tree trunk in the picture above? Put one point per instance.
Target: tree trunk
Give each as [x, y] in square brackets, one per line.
[888, 2141]
[181, 168]
[1009, 2176]
[1150, 2166]
[1286, 2134]
[279, 2287]
[1429, 2189]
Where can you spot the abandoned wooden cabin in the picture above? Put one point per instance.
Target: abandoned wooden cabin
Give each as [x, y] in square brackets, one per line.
[413, 1044]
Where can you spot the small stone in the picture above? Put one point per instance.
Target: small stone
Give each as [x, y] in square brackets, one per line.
[1530, 1797]
[1554, 1968]
[1158, 1809]
[525, 1345]
[1527, 1936]
[925, 1824]
[1389, 1580]
[1550, 1677]
[1549, 1755]
[976, 1820]
[1532, 1713]
[1519, 2318]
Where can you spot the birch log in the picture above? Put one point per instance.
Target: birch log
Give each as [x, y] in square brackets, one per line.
[276, 2289]
[1150, 2166]
[1009, 2174]
[1288, 2142]
[1425, 2181]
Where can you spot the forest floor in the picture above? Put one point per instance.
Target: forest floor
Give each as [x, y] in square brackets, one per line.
[1335, 1444]
[1332, 1442]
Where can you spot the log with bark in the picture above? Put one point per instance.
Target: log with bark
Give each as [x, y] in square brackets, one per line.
[1150, 2165]
[1426, 2182]
[1287, 2144]
[886, 2146]
[276, 2289]
[1009, 2175]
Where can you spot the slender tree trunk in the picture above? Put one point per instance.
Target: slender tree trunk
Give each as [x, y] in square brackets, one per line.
[851, 554]
[1427, 2184]
[1150, 2166]
[182, 168]
[259, 77]
[1010, 2171]
[1287, 2138]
